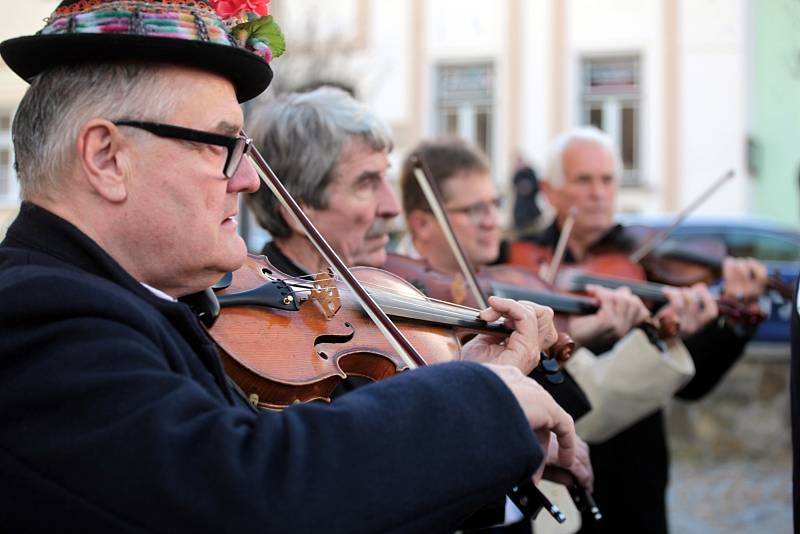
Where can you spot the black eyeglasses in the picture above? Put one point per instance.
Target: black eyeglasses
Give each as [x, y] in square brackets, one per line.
[237, 146]
[479, 210]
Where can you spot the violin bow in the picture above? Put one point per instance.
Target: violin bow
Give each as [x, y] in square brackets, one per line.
[385, 325]
[528, 498]
[657, 238]
[436, 202]
[549, 275]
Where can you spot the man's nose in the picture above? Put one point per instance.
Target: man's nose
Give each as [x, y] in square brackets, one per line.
[245, 179]
[388, 206]
[597, 189]
[491, 217]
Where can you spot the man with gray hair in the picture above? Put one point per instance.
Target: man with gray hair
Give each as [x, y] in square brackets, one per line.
[582, 176]
[333, 155]
[117, 415]
[331, 152]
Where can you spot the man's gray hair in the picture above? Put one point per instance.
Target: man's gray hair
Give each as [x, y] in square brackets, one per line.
[554, 171]
[58, 104]
[302, 136]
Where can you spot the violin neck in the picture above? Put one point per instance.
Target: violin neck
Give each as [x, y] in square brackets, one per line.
[698, 258]
[434, 312]
[649, 291]
[560, 303]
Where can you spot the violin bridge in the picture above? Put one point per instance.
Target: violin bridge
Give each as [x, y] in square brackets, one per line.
[325, 292]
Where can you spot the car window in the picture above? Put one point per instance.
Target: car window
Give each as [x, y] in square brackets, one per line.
[746, 243]
[763, 247]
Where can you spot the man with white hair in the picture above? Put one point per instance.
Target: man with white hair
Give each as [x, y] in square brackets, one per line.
[582, 174]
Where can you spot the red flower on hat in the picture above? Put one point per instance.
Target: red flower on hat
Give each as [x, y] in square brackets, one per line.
[232, 8]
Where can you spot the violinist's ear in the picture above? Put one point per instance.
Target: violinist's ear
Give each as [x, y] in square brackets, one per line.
[550, 194]
[420, 224]
[290, 221]
[104, 157]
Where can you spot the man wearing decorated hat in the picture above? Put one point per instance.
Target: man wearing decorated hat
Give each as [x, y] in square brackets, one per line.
[117, 416]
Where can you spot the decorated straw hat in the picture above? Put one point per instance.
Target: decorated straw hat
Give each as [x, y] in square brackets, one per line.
[233, 38]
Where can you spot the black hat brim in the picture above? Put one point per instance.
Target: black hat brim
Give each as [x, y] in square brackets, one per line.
[32, 55]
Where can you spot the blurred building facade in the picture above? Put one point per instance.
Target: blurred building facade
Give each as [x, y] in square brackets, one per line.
[18, 18]
[688, 89]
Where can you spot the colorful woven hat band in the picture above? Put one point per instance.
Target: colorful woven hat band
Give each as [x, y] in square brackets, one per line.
[242, 23]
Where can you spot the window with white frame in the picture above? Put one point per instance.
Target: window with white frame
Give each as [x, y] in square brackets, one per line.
[465, 94]
[7, 175]
[610, 100]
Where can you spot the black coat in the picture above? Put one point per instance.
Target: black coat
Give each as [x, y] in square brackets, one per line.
[117, 417]
[631, 469]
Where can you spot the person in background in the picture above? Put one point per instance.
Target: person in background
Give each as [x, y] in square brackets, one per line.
[583, 171]
[526, 198]
[470, 199]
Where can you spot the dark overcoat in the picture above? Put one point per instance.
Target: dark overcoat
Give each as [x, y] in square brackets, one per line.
[116, 416]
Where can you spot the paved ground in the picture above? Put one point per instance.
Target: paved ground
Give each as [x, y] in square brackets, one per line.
[746, 497]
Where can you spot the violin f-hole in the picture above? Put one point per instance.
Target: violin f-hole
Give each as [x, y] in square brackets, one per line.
[331, 339]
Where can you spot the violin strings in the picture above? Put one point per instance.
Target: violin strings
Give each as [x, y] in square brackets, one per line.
[411, 299]
[648, 290]
[409, 306]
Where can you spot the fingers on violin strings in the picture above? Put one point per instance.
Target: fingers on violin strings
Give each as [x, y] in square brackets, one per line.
[757, 274]
[513, 311]
[735, 274]
[676, 298]
[496, 309]
[548, 335]
[705, 302]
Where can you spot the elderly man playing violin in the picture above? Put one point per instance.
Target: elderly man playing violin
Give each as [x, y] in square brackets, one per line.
[582, 176]
[117, 416]
[332, 153]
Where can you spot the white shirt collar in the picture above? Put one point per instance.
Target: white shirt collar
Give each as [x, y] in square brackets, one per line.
[159, 293]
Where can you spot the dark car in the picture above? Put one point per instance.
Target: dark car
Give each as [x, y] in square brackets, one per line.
[778, 246]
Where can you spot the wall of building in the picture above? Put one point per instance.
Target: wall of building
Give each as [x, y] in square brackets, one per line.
[712, 73]
[775, 112]
[713, 132]
[18, 18]
[693, 67]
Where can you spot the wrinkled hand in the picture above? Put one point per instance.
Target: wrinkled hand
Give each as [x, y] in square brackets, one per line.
[694, 307]
[533, 332]
[744, 279]
[620, 310]
[544, 415]
[580, 469]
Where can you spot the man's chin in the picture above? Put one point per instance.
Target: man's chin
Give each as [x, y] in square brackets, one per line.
[234, 257]
[374, 258]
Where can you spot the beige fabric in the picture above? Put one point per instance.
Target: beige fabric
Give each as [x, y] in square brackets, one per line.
[627, 383]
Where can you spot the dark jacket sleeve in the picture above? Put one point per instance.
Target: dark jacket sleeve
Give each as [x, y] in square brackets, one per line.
[104, 428]
[714, 349]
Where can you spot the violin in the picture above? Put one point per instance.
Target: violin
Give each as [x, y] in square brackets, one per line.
[613, 269]
[687, 263]
[507, 281]
[327, 335]
[515, 282]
